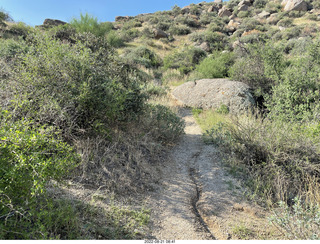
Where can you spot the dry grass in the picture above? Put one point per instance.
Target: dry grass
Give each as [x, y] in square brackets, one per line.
[127, 165]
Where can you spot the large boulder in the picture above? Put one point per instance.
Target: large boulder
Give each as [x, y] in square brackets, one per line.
[296, 5]
[213, 8]
[212, 93]
[225, 12]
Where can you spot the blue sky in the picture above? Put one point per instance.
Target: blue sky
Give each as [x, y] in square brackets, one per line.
[34, 12]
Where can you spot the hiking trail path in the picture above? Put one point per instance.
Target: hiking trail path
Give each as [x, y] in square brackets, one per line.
[198, 199]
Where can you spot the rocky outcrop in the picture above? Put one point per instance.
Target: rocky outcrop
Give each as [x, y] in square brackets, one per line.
[185, 10]
[123, 18]
[244, 5]
[295, 5]
[212, 93]
[53, 22]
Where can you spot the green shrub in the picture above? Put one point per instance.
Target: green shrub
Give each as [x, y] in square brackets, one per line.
[165, 126]
[179, 30]
[74, 87]
[297, 96]
[244, 14]
[88, 23]
[63, 33]
[186, 20]
[31, 156]
[216, 40]
[131, 24]
[4, 17]
[207, 18]
[299, 222]
[260, 3]
[286, 22]
[129, 34]
[9, 49]
[184, 59]
[114, 39]
[217, 24]
[260, 67]
[215, 66]
[143, 56]
[19, 29]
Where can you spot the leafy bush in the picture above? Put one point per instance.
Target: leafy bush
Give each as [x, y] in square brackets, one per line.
[4, 17]
[260, 66]
[299, 222]
[187, 20]
[76, 88]
[9, 49]
[184, 59]
[19, 29]
[260, 3]
[215, 66]
[286, 22]
[31, 156]
[143, 56]
[216, 40]
[168, 127]
[297, 97]
[217, 24]
[179, 30]
[114, 39]
[88, 23]
[207, 18]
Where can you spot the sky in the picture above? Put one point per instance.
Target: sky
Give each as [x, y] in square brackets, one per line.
[34, 12]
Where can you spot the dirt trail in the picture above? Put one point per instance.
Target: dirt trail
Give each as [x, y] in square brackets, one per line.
[197, 199]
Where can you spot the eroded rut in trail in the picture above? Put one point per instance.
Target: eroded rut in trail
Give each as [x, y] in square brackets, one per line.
[197, 199]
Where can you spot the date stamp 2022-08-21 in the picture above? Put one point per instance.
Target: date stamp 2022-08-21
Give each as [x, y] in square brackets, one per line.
[159, 241]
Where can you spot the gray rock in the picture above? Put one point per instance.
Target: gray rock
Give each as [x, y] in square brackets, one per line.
[224, 12]
[213, 8]
[264, 14]
[159, 34]
[243, 7]
[218, 1]
[205, 47]
[245, 2]
[296, 5]
[212, 93]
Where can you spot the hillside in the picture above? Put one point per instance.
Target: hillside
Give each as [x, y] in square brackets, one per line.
[97, 124]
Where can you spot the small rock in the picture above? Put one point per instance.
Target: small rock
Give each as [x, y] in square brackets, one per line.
[205, 47]
[264, 14]
[159, 34]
